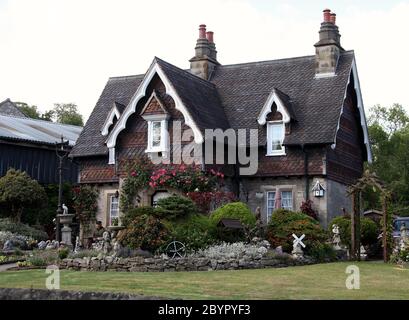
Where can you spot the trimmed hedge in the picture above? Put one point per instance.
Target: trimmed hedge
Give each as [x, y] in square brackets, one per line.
[234, 210]
[369, 230]
[175, 207]
[284, 223]
[196, 232]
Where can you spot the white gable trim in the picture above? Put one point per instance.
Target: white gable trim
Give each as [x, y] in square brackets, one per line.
[361, 109]
[140, 93]
[110, 120]
[267, 109]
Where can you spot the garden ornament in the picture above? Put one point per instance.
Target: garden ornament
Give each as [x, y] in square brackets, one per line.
[107, 242]
[336, 238]
[404, 237]
[297, 246]
[65, 209]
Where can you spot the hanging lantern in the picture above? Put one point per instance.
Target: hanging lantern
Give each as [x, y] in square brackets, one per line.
[318, 190]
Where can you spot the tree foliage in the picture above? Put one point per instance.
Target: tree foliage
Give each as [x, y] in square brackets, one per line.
[66, 113]
[19, 191]
[389, 134]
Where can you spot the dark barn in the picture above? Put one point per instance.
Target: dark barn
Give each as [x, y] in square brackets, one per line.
[29, 145]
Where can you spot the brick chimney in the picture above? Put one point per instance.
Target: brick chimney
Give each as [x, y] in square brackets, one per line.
[205, 59]
[328, 48]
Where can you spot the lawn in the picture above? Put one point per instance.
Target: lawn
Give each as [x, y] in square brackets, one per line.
[322, 281]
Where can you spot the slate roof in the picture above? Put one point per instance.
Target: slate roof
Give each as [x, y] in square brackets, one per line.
[235, 95]
[118, 89]
[317, 103]
[37, 131]
[8, 108]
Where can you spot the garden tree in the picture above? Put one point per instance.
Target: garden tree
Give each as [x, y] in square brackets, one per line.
[29, 111]
[18, 191]
[33, 112]
[389, 134]
[67, 113]
[391, 119]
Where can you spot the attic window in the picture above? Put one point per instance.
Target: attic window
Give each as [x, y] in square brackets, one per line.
[158, 137]
[275, 138]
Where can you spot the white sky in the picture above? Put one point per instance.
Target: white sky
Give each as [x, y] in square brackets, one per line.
[65, 50]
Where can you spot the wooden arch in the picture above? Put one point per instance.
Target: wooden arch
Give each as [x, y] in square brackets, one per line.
[368, 179]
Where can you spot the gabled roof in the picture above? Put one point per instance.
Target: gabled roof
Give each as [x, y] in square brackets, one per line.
[317, 103]
[8, 108]
[91, 141]
[235, 96]
[37, 131]
[115, 112]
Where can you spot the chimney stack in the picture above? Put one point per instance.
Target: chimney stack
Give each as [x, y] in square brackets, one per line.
[205, 59]
[328, 48]
[333, 18]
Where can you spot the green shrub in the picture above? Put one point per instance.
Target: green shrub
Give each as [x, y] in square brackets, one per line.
[22, 229]
[131, 214]
[63, 253]
[234, 210]
[369, 230]
[146, 232]
[42, 258]
[175, 207]
[284, 223]
[196, 232]
[321, 252]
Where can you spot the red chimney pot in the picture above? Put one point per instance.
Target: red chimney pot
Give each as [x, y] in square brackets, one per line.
[327, 15]
[209, 36]
[202, 31]
[333, 18]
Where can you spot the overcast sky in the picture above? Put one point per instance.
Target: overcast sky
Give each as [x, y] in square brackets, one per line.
[65, 50]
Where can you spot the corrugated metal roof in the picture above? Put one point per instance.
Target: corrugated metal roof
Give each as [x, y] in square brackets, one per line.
[37, 130]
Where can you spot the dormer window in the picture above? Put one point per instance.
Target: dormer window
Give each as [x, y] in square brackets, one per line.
[275, 138]
[158, 140]
[156, 115]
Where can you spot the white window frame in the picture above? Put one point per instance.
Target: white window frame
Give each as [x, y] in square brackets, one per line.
[111, 197]
[268, 211]
[164, 134]
[291, 208]
[270, 151]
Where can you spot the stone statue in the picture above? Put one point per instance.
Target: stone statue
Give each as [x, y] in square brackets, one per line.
[364, 255]
[117, 249]
[404, 237]
[77, 245]
[106, 248]
[336, 238]
[65, 209]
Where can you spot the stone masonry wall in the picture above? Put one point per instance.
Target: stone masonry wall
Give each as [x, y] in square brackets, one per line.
[160, 264]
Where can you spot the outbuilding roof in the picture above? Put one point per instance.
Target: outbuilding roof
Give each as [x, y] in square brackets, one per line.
[37, 131]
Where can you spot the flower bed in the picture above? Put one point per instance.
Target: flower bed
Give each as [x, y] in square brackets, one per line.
[221, 257]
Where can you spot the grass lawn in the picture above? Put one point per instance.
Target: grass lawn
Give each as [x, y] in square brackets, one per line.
[322, 281]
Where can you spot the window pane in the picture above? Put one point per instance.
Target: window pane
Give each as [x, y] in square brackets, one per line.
[270, 203]
[276, 136]
[287, 200]
[156, 133]
[113, 208]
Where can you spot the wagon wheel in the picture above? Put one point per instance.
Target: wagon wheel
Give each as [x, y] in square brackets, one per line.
[176, 249]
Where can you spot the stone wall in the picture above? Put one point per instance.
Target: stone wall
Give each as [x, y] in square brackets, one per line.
[43, 294]
[160, 264]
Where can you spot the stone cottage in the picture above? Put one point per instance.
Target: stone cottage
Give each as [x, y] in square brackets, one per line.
[303, 120]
